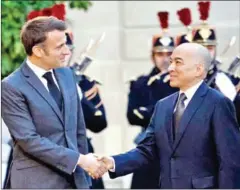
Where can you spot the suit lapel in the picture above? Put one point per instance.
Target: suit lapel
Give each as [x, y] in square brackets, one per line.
[169, 119]
[63, 84]
[192, 107]
[34, 81]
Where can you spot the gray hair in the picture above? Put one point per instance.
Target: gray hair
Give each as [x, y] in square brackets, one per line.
[204, 56]
[200, 52]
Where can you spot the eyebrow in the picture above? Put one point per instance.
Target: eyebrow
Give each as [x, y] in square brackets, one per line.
[176, 58]
[60, 45]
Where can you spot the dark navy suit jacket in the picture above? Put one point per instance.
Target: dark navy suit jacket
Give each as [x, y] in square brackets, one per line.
[205, 153]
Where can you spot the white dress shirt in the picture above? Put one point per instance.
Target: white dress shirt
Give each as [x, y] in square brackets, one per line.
[39, 72]
[189, 94]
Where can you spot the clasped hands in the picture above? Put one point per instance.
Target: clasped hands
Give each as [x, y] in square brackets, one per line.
[95, 165]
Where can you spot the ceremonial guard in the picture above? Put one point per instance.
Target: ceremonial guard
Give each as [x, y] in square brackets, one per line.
[206, 35]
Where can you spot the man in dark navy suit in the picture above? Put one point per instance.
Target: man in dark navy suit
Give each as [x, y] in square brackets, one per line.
[143, 96]
[193, 133]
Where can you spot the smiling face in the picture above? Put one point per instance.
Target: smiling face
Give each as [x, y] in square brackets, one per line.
[54, 50]
[44, 41]
[186, 66]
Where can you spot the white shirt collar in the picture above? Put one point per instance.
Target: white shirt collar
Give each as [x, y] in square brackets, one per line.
[37, 70]
[192, 90]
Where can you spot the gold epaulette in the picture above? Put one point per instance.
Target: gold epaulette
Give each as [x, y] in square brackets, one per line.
[153, 78]
[158, 77]
[166, 78]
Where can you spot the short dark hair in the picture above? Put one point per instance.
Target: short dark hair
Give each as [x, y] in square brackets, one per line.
[34, 31]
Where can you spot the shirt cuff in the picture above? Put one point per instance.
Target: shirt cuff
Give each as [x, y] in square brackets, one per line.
[113, 161]
[76, 164]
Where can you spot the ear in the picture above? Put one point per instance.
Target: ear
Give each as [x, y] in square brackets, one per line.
[200, 70]
[37, 51]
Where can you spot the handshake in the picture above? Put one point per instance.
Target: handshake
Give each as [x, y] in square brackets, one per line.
[95, 165]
